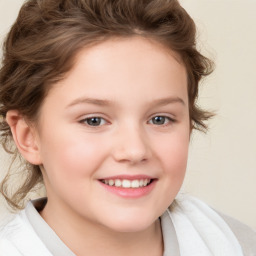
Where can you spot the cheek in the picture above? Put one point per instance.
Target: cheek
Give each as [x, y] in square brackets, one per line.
[71, 157]
[70, 165]
[173, 154]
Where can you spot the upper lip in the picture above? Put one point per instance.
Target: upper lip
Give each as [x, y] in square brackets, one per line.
[128, 177]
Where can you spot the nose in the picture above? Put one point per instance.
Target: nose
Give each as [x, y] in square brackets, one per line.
[131, 145]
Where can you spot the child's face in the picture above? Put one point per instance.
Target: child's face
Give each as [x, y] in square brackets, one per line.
[120, 114]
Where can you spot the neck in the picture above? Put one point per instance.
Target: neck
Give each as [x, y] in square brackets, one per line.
[86, 238]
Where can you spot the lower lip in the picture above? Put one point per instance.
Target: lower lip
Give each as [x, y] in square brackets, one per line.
[130, 192]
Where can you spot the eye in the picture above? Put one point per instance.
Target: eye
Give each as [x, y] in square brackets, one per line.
[94, 121]
[160, 120]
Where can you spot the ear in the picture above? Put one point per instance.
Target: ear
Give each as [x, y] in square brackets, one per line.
[24, 137]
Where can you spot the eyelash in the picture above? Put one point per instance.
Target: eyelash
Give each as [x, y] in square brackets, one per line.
[85, 121]
[166, 118]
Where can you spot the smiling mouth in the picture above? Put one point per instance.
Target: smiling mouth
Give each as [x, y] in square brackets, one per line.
[125, 183]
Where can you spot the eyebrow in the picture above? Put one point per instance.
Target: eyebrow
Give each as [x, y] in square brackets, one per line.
[104, 102]
[169, 100]
[93, 101]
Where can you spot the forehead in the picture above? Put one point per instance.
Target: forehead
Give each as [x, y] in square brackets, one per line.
[118, 50]
[125, 68]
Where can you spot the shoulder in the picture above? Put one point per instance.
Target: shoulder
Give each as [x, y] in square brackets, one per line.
[17, 238]
[201, 214]
[8, 234]
[244, 234]
[9, 229]
[8, 249]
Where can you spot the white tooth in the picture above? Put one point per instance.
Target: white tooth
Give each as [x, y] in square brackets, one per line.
[126, 184]
[118, 183]
[105, 182]
[145, 182]
[141, 183]
[111, 182]
[135, 184]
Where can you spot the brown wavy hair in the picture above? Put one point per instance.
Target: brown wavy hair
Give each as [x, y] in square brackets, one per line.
[43, 42]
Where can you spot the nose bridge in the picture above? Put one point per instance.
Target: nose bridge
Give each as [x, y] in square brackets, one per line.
[132, 143]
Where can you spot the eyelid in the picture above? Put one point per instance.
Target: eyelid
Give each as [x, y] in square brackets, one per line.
[168, 115]
[92, 115]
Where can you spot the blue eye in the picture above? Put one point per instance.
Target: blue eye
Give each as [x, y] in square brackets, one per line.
[161, 120]
[94, 121]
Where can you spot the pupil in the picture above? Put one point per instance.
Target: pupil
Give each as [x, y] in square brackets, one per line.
[158, 120]
[94, 121]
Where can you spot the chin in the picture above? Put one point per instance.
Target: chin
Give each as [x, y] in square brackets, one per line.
[129, 224]
[123, 228]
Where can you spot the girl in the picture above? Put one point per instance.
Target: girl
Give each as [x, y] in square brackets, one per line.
[99, 98]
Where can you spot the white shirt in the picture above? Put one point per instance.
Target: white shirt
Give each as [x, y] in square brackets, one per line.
[29, 235]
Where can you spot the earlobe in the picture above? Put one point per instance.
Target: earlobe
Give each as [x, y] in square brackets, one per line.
[24, 137]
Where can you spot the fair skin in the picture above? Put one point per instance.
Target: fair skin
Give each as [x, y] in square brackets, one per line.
[120, 114]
